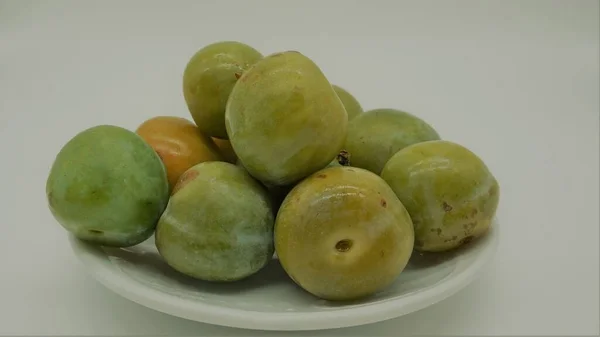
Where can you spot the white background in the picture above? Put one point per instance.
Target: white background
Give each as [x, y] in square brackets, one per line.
[515, 81]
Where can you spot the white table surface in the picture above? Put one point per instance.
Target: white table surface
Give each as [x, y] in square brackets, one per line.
[515, 81]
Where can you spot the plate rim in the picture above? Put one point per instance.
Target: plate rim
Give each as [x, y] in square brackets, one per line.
[94, 262]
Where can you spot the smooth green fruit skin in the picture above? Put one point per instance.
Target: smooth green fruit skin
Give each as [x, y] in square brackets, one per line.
[343, 203]
[351, 104]
[284, 119]
[107, 186]
[208, 79]
[376, 135]
[218, 225]
[449, 192]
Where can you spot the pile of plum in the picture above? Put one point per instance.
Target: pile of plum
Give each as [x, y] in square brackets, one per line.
[275, 161]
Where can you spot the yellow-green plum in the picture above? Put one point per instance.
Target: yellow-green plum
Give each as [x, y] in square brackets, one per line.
[107, 186]
[284, 119]
[375, 135]
[208, 78]
[342, 234]
[218, 225]
[448, 190]
[353, 107]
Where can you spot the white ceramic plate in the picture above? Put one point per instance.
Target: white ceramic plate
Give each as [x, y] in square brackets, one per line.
[269, 300]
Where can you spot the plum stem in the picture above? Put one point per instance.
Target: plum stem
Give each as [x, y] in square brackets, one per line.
[343, 158]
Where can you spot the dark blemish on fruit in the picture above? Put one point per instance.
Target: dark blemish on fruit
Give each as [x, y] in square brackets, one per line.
[466, 240]
[446, 207]
[321, 175]
[493, 191]
[383, 203]
[474, 212]
[185, 178]
[343, 158]
[238, 75]
[343, 246]
[351, 170]
[382, 253]
[95, 231]
[50, 199]
[469, 226]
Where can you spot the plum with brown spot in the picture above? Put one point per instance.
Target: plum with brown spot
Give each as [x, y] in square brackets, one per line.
[344, 237]
[450, 193]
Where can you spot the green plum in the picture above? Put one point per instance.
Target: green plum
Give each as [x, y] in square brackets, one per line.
[208, 79]
[284, 119]
[218, 225]
[448, 190]
[351, 104]
[375, 135]
[342, 234]
[107, 186]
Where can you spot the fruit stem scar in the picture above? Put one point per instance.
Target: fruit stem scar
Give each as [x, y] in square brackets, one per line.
[343, 245]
